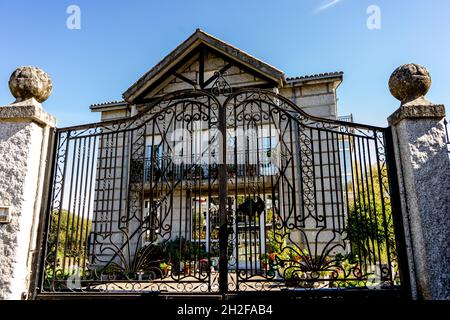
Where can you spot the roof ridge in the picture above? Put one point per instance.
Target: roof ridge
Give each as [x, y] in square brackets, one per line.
[234, 47]
[107, 102]
[317, 75]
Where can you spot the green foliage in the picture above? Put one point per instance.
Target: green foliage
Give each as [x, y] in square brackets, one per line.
[369, 226]
[149, 257]
[71, 232]
[276, 240]
[160, 256]
[181, 249]
[367, 231]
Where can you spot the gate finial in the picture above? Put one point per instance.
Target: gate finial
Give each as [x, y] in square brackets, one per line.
[410, 82]
[30, 82]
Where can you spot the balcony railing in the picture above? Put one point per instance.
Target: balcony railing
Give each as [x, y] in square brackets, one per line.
[346, 118]
[247, 165]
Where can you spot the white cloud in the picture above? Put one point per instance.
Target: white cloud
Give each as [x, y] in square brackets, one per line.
[327, 5]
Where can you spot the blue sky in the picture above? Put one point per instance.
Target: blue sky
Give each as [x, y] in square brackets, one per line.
[120, 40]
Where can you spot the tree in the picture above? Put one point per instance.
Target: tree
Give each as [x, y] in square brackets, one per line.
[71, 233]
[370, 227]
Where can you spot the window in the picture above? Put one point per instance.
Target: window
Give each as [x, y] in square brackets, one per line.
[199, 220]
[267, 160]
[157, 161]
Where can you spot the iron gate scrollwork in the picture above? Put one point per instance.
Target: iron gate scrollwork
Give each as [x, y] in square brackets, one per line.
[235, 192]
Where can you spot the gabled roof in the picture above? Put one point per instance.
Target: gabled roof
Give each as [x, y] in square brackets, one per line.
[198, 38]
[326, 75]
[120, 104]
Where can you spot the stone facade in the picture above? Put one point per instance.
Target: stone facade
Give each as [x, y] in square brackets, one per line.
[315, 95]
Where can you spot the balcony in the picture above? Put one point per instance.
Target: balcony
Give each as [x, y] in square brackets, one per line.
[248, 165]
[205, 172]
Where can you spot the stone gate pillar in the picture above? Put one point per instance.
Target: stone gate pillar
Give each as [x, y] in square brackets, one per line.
[423, 167]
[25, 129]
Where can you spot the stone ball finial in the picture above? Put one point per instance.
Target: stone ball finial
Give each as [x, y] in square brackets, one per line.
[409, 82]
[30, 82]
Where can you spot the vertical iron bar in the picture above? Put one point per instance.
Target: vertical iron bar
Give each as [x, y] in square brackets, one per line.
[344, 194]
[322, 183]
[262, 173]
[79, 232]
[313, 165]
[371, 184]
[337, 175]
[301, 205]
[367, 210]
[208, 238]
[331, 175]
[91, 184]
[236, 214]
[356, 192]
[223, 232]
[68, 205]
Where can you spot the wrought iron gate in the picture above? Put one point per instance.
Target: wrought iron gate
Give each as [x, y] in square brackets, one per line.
[202, 193]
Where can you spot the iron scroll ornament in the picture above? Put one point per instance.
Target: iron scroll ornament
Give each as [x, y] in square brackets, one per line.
[221, 86]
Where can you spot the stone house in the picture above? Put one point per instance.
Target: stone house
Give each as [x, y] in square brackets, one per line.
[201, 62]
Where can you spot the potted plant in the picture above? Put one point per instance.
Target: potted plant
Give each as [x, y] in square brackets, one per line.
[268, 261]
[186, 268]
[165, 268]
[264, 261]
[184, 255]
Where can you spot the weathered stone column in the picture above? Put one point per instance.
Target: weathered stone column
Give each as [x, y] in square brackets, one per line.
[423, 167]
[24, 143]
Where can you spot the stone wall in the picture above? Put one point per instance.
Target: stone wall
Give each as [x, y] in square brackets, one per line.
[24, 138]
[317, 98]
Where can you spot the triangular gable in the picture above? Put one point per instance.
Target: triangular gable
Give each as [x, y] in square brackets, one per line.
[194, 64]
[187, 76]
